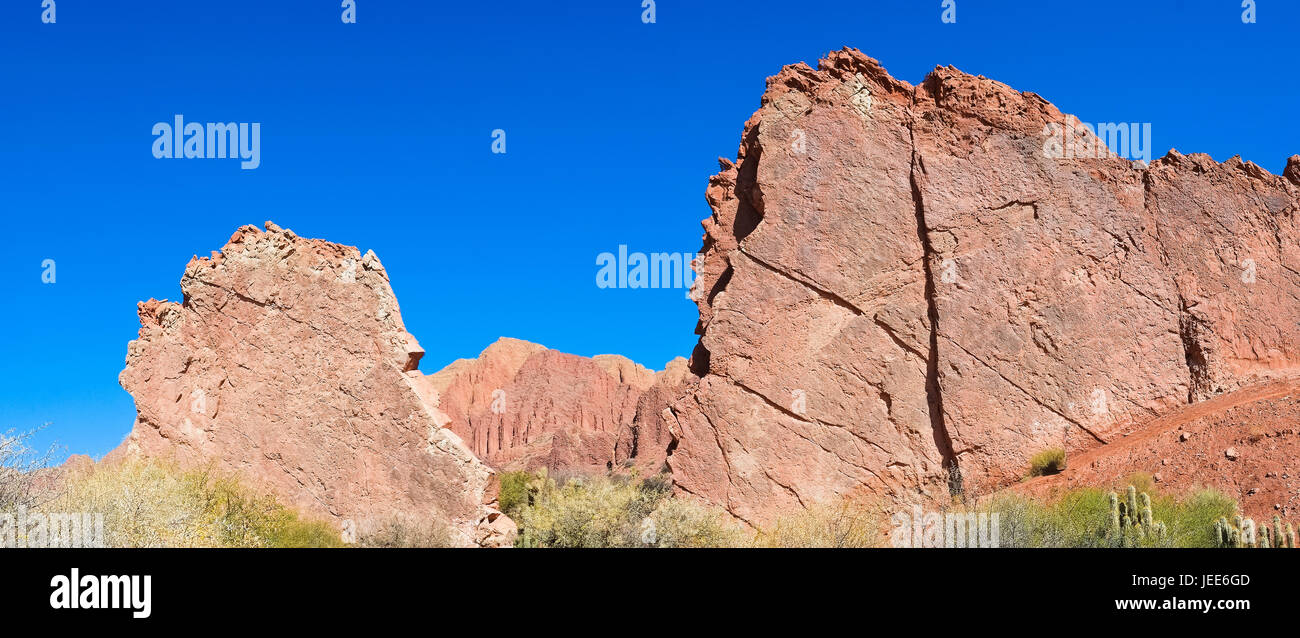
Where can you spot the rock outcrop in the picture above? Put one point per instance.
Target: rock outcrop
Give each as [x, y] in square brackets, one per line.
[288, 362]
[521, 406]
[907, 290]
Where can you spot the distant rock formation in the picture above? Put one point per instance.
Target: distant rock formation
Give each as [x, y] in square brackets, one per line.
[287, 361]
[904, 291]
[520, 406]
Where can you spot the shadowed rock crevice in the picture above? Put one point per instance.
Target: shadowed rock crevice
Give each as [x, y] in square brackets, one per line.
[1189, 328]
[749, 211]
[933, 389]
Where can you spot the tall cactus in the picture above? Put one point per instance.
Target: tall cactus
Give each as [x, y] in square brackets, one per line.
[1132, 501]
[1131, 521]
[1114, 514]
[1244, 532]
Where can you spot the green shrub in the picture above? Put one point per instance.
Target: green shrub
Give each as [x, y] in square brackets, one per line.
[296, 532]
[618, 511]
[514, 492]
[606, 511]
[1050, 461]
[678, 522]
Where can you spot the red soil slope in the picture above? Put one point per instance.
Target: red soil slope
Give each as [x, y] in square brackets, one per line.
[1194, 446]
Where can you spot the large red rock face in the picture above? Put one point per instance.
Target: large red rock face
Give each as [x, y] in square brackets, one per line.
[288, 362]
[1057, 321]
[520, 406]
[904, 292]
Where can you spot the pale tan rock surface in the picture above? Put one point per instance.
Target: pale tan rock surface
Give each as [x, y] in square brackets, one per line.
[899, 282]
[288, 362]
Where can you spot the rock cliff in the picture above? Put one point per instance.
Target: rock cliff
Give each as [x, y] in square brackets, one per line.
[908, 290]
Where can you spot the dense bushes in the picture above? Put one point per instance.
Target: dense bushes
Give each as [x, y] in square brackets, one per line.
[514, 492]
[622, 512]
[1082, 518]
[617, 511]
[155, 504]
[593, 512]
[612, 511]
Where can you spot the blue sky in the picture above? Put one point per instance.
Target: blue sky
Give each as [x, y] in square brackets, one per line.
[378, 134]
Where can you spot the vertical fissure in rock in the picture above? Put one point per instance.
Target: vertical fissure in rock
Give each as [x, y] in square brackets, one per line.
[1193, 353]
[933, 391]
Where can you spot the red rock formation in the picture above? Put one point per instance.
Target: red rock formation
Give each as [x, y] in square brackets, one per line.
[288, 362]
[904, 291]
[521, 406]
[645, 443]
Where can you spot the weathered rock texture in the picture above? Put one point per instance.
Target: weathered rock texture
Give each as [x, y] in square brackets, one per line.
[521, 406]
[905, 291]
[288, 363]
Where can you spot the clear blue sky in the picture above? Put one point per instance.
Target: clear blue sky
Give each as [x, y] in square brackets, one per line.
[378, 134]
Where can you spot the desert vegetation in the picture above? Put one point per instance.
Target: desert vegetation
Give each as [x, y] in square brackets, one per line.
[622, 511]
[1240, 531]
[156, 504]
[1135, 515]
[20, 470]
[153, 503]
[398, 532]
[149, 503]
[1050, 461]
[610, 511]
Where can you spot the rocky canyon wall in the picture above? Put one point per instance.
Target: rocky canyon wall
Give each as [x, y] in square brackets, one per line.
[904, 291]
[521, 406]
